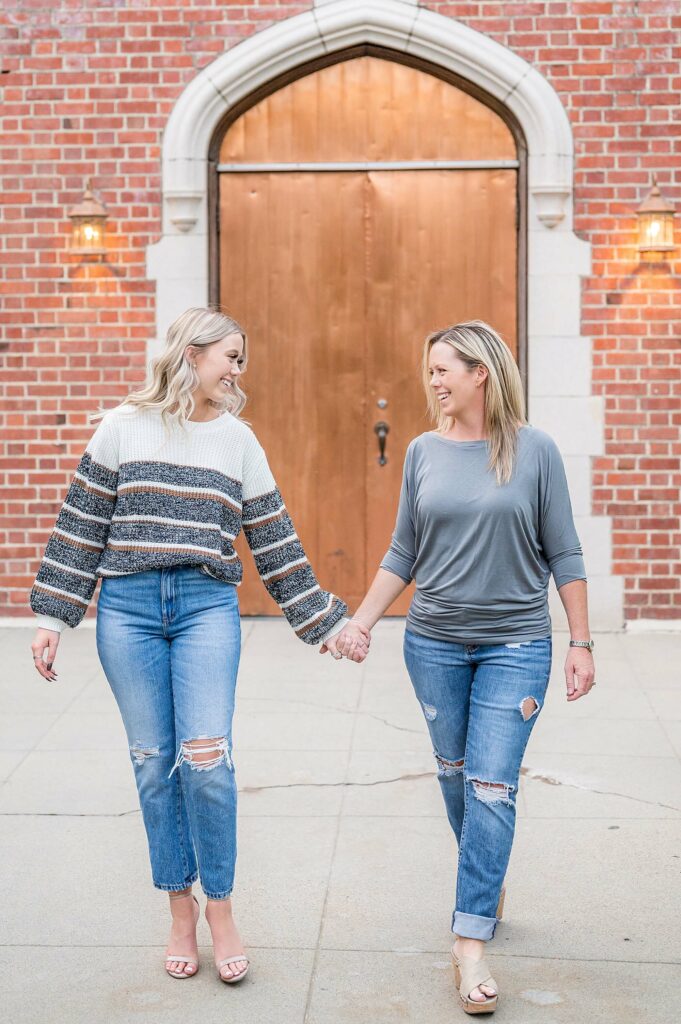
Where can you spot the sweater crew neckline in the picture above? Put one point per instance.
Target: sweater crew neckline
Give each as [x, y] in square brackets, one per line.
[194, 426]
[207, 424]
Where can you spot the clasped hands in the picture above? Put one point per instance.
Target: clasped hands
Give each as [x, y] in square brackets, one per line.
[352, 642]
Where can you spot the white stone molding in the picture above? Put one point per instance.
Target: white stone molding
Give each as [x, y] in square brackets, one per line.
[557, 259]
[550, 203]
[183, 208]
[338, 25]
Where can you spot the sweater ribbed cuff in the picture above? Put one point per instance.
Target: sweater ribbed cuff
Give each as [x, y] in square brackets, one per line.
[49, 622]
[341, 624]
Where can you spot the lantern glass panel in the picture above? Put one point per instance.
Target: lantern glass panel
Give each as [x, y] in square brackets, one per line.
[88, 236]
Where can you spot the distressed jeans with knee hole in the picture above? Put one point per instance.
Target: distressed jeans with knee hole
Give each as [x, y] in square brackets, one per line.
[169, 641]
[480, 703]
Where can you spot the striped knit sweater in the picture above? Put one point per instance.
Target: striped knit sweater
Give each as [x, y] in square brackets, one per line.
[148, 496]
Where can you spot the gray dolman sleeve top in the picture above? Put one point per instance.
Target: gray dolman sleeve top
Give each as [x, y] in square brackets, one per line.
[482, 554]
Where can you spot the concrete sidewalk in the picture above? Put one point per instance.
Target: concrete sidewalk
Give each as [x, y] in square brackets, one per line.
[345, 877]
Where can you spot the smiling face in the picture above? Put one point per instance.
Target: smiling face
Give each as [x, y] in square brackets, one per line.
[218, 367]
[457, 387]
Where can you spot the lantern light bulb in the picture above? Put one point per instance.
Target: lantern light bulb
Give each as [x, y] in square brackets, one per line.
[655, 225]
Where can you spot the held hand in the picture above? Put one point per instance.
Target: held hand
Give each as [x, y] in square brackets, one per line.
[352, 643]
[44, 649]
[579, 672]
[330, 646]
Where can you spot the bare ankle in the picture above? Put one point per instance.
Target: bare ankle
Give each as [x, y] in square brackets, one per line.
[224, 905]
[470, 947]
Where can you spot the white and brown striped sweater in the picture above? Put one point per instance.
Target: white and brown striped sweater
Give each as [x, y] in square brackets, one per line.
[149, 496]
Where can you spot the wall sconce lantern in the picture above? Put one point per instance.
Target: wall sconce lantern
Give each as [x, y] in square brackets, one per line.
[89, 221]
[655, 225]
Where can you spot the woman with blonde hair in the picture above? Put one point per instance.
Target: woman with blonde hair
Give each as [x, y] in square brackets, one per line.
[484, 520]
[166, 484]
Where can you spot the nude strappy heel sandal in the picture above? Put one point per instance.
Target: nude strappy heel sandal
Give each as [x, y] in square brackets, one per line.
[470, 974]
[177, 957]
[233, 960]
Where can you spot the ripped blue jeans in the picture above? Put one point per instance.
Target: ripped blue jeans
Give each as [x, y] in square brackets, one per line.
[480, 703]
[169, 642]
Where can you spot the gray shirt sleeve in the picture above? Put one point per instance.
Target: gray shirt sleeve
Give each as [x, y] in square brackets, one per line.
[401, 555]
[557, 533]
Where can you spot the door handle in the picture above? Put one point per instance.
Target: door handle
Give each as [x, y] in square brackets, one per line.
[381, 429]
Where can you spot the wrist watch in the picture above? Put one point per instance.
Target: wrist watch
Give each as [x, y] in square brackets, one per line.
[589, 644]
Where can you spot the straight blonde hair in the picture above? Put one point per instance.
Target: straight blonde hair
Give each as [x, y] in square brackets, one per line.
[172, 378]
[478, 344]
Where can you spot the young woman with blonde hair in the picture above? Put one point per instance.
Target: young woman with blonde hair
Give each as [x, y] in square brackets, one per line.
[166, 484]
[484, 520]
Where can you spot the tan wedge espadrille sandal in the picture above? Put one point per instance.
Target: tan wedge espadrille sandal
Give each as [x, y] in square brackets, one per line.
[470, 974]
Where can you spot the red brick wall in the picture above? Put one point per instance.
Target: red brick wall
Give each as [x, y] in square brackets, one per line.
[87, 90]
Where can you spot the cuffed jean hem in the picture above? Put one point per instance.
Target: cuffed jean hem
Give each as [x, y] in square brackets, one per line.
[217, 895]
[470, 926]
[177, 888]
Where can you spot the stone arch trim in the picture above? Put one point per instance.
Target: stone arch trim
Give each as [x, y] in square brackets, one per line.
[559, 359]
[337, 26]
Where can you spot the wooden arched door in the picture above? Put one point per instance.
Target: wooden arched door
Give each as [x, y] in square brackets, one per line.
[360, 207]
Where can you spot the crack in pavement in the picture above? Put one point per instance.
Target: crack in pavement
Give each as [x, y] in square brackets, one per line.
[331, 785]
[529, 773]
[498, 953]
[67, 814]
[551, 780]
[533, 774]
[244, 789]
[345, 711]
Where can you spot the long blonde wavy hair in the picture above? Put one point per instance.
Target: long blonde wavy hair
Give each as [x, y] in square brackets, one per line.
[172, 378]
[478, 344]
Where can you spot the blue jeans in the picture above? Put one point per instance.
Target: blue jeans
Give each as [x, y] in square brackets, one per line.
[480, 703]
[169, 642]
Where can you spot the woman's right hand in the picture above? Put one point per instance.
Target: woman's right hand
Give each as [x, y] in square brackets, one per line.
[44, 648]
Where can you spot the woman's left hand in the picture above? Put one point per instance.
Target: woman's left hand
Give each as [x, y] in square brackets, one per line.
[352, 642]
[579, 672]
